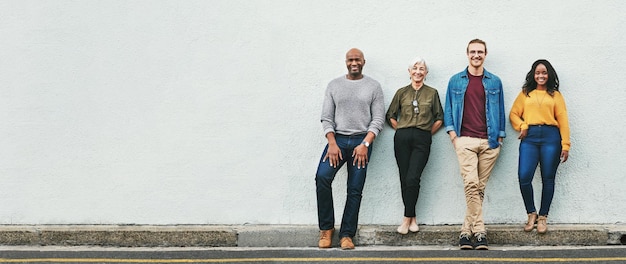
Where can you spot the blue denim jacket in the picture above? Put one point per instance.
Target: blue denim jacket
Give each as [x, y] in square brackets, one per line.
[455, 97]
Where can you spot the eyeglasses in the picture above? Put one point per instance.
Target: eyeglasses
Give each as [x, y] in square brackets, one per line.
[416, 109]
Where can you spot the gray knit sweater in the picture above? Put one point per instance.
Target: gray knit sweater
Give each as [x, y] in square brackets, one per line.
[353, 107]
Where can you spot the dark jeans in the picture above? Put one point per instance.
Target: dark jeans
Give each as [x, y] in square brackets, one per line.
[541, 146]
[412, 148]
[356, 180]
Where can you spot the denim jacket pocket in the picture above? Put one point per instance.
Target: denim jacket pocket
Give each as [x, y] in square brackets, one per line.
[458, 96]
[493, 96]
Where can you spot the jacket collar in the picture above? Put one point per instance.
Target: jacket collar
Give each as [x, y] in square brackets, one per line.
[486, 74]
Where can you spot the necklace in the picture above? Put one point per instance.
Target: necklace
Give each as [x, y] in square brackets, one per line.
[416, 109]
[540, 102]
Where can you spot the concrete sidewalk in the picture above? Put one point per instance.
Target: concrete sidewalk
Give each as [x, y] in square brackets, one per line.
[294, 235]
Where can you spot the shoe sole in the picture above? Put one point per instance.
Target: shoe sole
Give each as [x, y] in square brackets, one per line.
[466, 247]
[482, 248]
[347, 247]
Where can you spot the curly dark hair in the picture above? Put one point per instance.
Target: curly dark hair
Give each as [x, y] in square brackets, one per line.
[553, 79]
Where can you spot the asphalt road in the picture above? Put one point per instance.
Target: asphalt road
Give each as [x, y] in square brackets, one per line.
[421, 254]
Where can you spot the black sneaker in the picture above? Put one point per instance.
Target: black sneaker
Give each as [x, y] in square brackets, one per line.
[464, 242]
[481, 241]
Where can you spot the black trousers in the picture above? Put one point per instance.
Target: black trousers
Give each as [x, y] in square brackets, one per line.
[412, 148]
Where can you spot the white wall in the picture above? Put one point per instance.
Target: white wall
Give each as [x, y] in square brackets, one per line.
[207, 112]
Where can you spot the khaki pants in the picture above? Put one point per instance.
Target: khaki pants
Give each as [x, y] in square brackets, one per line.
[476, 161]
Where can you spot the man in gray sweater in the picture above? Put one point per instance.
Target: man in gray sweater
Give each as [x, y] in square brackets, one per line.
[352, 116]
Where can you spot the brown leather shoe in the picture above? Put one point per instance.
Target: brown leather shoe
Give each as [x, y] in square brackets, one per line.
[326, 238]
[532, 220]
[542, 224]
[346, 243]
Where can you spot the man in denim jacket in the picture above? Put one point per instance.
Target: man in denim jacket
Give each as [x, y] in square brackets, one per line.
[475, 120]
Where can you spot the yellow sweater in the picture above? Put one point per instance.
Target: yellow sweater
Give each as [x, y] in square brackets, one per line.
[539, 108]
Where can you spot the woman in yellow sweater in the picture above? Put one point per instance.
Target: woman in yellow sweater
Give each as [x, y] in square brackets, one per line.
[539, 113]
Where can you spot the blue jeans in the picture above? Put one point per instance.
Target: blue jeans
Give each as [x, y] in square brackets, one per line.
[356, 181]
[542, 146]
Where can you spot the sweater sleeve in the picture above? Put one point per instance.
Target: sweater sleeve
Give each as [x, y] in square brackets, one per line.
[560, 114]
[328, 112]
[517, 113]
[378, 111]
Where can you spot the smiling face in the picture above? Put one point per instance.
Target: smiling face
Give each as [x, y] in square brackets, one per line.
[418, 72]
[355, 62]
[476, 53]
[541, 76]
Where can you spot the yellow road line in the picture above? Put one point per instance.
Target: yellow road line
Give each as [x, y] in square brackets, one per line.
[362, 259]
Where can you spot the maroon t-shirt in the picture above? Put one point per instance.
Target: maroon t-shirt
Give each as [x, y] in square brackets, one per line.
[474, 117]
